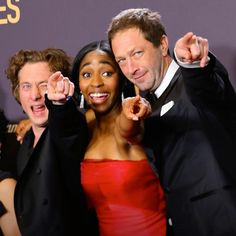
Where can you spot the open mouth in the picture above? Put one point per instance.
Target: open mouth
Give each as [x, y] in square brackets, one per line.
[98, 97]
[38, 108]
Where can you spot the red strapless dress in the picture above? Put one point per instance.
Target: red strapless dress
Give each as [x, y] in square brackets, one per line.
[127, 197]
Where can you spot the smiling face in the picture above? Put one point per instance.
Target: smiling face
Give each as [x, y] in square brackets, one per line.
[141, 62]
[33, 79]
[99, 81]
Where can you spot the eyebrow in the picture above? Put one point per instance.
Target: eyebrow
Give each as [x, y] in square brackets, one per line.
[129, 53]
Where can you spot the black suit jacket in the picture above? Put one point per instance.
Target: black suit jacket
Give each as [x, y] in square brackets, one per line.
[194, 144]
[48, 196]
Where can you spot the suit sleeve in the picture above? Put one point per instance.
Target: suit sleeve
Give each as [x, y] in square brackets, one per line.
[69, 134]
[210, 90]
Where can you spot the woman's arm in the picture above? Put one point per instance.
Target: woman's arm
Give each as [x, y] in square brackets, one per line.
[134, 110]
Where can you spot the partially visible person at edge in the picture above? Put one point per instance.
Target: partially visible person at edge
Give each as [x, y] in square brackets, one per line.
[48, 196]
[8, 224]
[3, 128]
[192, 130]
[116, 176]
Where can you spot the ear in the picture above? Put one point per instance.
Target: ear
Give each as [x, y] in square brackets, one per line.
[164, 45]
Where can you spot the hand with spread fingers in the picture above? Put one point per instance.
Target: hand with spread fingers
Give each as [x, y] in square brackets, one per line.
[191, 48]
[136, 108]
[60, 88]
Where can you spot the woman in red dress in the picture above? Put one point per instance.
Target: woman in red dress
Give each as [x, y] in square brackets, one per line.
[116, 175]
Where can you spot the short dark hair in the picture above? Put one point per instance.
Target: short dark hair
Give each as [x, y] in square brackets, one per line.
[147, 21]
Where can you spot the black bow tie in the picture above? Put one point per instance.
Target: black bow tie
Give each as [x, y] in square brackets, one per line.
[151, 97]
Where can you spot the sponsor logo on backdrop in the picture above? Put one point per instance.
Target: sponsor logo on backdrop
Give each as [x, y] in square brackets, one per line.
[9, 12]
[11, 128]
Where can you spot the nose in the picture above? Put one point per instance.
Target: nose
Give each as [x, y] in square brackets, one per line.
[131, 67]
[97, 80]
[35, 93]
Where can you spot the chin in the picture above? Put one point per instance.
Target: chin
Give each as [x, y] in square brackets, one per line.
[41, 122]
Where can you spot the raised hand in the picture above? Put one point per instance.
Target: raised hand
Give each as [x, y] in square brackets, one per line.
[136, 108]
[60, 88]
[191, 48]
